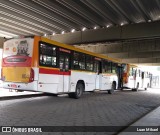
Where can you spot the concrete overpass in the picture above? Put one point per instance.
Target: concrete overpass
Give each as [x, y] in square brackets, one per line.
[127, 29]
[140, 52]
[137, 43]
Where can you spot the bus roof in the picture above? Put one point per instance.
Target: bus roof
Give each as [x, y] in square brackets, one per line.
[79, 50]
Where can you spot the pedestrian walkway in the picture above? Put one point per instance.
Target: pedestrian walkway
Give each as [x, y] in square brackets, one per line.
[151, 120]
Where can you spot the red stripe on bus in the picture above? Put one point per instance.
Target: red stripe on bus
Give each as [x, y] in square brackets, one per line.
[53, 71]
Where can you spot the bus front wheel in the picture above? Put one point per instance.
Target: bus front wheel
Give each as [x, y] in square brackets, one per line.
[78, 92]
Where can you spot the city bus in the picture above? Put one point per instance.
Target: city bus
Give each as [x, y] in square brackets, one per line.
[135, 78]
[40, 64]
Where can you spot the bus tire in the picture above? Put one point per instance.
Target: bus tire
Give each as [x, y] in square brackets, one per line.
[79, 91]
[112, 89]
[147, 87]
[136, 89]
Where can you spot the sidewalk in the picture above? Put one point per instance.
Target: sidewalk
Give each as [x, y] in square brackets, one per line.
[149, 120]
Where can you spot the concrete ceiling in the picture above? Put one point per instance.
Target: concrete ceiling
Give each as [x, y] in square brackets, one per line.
[37, 17]
[131, 26]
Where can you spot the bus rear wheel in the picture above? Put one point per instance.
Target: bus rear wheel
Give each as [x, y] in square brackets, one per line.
[136, 89]
[147, 87]
[79, 91]
[112, 88]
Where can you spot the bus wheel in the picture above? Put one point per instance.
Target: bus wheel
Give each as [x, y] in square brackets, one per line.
[137, 87]
[79, 91]
[147, 87]
[112, 89]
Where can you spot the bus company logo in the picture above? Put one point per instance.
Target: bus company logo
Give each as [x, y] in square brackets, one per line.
[6, 129]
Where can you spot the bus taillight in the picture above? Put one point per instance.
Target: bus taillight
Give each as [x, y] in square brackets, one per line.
[31, 79]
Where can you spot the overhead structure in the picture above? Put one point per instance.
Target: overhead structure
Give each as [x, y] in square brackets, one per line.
[39, 17]
[139, 52]
[127, 29]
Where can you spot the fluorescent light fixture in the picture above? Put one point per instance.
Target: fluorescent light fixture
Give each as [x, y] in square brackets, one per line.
[122, 24]
[95, 27]
[53, 33]
[62, 32]
[84, 29]
[7, 34]
[108, 26]
[73, 30]
[45, 34]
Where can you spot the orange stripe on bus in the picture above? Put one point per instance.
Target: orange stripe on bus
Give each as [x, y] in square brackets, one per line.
[35, 60]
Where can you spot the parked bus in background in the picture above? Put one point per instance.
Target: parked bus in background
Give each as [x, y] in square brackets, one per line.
[135, 78]
[146, 80]
[40, 64]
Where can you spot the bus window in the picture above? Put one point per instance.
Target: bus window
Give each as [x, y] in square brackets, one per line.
[96, 66]
[114, 67]
[134, 71]
[107, 67]
[47, 55]
[82, 61]
[130, 71]
[89, 63]
[124, 66]
[78, 61]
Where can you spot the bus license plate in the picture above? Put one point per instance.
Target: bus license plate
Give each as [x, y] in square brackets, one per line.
[13, 85]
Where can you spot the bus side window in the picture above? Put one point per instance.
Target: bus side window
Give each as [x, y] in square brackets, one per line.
[97, 66]
[114, 67]
[47, 55]
[78, 61]
[130, 71]
[107, 67]
[89, 63]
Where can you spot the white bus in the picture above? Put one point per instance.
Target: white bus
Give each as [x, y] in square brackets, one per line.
[40, 64]
[135, 78]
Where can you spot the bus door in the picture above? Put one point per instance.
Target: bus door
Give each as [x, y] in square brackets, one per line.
[143, 79]
[120, 76]
[98, 70]
[64, 65]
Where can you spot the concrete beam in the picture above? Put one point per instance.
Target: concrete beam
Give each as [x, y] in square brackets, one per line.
[142, 51]
[147, 64]
[154, 54]
[128, 32]
[141, 60]
[88, 36]
[147, 45]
